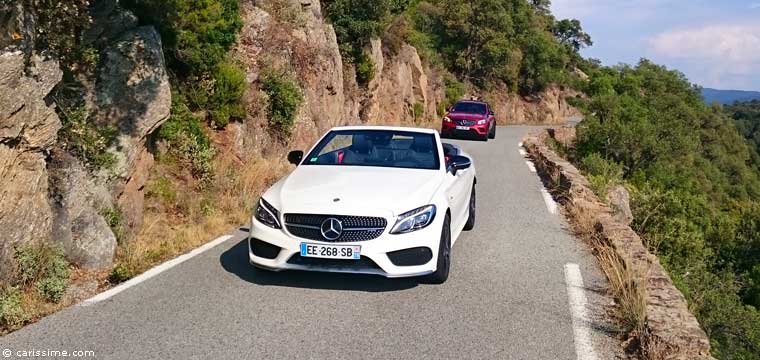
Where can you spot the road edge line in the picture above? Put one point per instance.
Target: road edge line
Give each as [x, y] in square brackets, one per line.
[154, 271]
[531, 167]
[584, 348]
[551, 205]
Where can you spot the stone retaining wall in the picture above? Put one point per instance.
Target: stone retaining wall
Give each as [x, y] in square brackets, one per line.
[668, 320]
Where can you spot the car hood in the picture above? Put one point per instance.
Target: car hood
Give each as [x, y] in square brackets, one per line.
[361, 190]
[465, 116]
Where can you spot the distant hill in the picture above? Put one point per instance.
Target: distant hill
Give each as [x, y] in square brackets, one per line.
[728, 96]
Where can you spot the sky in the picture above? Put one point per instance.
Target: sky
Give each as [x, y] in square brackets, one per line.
[716, 43]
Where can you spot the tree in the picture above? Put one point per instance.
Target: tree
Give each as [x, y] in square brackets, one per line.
[542, 6]
[570, 33]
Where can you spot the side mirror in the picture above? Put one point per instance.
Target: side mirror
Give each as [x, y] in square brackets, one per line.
[459, 162]
[295, 157]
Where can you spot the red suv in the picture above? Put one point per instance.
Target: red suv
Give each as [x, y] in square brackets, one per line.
[470, 119]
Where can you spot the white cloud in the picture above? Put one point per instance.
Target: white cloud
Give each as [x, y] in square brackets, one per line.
[721, 51]
[754, 5]
[736, 43]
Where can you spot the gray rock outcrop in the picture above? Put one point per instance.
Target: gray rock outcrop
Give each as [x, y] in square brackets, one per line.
[133, 92]
[28, 127]
[401, 82]
[309, 50]
[78, 202]
[620, 203]
[46, 195]
[547, 107]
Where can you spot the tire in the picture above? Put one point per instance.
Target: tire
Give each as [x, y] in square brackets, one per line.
[492, 133]
[470, 224]
[483, 138]
[441, 273]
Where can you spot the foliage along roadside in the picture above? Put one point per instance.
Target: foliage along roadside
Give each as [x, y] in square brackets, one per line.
[695, 187]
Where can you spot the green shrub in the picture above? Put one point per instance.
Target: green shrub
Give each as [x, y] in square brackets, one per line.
[120, 273]
[284, 98]
[45, 267]
[418, 110]
[114, 218]
[11, 312]
[88, 141]
[229, 86]
[207, 206]
[58, 28]
[163, 189]
[186, 140]
[454, 90]
[365, 69]
[286, 11]
[356, 22]
[196, 34]
[52, 289]
[601, 173]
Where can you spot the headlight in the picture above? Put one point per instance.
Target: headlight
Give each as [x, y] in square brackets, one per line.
[481, 122]
[414, 220]
[267, 214]
[446, 119]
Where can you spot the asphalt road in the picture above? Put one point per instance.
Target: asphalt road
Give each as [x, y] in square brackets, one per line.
[506, 297]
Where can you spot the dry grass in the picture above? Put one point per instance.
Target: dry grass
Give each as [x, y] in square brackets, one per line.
[181, 216]
[624, 281]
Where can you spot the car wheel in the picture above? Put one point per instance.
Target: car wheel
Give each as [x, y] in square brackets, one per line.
[441, 273]
[492, 133]
[484, 137]
[470, 224]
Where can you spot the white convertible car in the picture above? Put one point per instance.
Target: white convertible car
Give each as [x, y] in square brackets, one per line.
[389, 201]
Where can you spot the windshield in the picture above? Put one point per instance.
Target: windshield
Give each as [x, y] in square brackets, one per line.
[381, 148]
[470, 108]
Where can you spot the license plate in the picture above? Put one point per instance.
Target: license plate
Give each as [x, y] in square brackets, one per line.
[463, 127]
[351, 252]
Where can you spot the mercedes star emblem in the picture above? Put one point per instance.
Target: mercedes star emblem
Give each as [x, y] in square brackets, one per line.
[331, 228]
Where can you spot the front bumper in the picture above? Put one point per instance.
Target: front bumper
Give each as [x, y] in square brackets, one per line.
[374, 253]
[450, 129]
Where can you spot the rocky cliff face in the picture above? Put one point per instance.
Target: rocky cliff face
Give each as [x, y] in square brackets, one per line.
[305, 46]
[47, 195]
[293, 35]
[28, 127]
[401, 83]
[546, 107]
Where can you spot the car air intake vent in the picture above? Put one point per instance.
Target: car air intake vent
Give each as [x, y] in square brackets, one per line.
[351, 228]
[466, 122]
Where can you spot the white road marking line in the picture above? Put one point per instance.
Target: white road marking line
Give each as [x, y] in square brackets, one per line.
[522, 152]
[551, 205]
[531, 166]
[154, 271]
[584, 349]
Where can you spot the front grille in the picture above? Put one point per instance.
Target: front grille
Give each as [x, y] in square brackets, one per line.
[466, 122]
[344, 264]
[355, 228]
